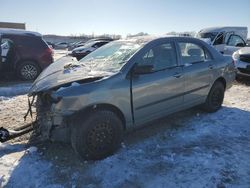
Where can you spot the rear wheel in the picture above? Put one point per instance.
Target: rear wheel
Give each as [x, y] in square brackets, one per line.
[215, 97]
[97, 136]
[28, 70]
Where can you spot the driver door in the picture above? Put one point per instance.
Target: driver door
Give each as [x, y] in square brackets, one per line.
[158, 92]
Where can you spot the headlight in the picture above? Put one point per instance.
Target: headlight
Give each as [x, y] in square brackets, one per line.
[236, 55]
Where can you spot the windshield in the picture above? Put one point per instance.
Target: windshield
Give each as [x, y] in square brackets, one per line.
[110, 57]
[211, 35]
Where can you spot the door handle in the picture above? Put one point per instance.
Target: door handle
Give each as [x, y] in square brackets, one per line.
[177, 75]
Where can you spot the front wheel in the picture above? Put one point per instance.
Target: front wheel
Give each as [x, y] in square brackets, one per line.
[215, 97]
[97, 136]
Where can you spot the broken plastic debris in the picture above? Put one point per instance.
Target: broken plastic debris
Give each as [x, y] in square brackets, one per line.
[71, 66]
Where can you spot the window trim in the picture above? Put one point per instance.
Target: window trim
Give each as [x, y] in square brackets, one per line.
[205, 50]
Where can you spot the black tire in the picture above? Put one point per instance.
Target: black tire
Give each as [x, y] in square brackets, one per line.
[97, 136]
[28, 70]
[215, 97]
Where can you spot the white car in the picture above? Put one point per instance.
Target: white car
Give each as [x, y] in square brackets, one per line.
[242, 61]
[226, 40]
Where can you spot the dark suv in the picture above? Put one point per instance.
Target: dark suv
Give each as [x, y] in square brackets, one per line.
[24, 53]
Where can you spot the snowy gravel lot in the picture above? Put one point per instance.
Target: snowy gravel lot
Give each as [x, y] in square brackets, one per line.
[186, 149]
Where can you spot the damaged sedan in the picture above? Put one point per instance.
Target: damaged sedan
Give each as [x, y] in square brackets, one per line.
[124, 84]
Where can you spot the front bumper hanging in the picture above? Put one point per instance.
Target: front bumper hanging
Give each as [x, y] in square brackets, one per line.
[6, 134]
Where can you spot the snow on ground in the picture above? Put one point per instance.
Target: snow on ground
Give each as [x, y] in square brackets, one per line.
[186, 149]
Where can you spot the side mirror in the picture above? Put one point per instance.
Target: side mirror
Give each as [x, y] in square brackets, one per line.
[143, 69]
[240, 45]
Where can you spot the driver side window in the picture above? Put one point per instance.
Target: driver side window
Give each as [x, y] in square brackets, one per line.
[161, 57]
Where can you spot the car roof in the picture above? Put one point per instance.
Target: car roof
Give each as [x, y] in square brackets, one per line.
[219, 29]
[6, 31]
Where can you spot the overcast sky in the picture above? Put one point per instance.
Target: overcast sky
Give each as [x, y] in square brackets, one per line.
[64, 17]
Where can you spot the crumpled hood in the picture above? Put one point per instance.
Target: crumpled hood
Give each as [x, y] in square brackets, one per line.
[65, 70]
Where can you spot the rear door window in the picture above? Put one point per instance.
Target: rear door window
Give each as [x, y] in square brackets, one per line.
[192, 53]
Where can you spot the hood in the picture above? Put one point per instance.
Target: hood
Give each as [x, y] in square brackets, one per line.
[64, 71]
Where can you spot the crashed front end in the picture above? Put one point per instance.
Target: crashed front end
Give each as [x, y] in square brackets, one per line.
[59, 92]
[48, 119]
[55, 107]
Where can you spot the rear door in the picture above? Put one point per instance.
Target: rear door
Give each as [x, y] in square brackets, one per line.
[159, 92]
[197, 69]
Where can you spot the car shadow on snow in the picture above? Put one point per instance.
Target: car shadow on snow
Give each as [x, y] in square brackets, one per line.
[57, 165]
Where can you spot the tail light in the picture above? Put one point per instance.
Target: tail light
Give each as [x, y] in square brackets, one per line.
[48, 53]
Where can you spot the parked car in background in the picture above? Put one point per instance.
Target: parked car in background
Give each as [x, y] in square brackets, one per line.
[61, 45]
[125, 84]
[242, 61]
[84, 50]
[82, 43]
[226, 40]
[76, 45]
[24, 53]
